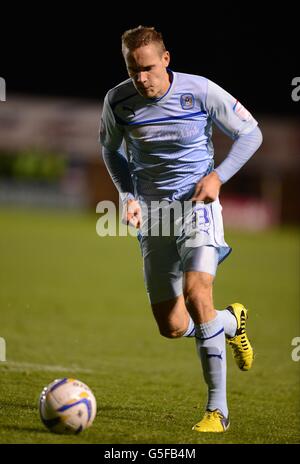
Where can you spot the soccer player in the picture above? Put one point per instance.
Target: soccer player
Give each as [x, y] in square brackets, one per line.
[156, 134]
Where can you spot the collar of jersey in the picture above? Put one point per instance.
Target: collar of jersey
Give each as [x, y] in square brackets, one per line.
[168, 93]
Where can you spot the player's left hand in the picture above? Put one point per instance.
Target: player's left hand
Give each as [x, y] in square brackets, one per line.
[208, 188]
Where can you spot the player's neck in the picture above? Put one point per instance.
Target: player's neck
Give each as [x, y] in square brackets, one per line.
[166, 87]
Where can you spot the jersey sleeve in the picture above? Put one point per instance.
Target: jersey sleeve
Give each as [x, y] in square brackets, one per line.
[227, 112]
[111, 133]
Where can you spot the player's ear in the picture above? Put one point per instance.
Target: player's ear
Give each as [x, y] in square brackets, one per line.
[166, 58]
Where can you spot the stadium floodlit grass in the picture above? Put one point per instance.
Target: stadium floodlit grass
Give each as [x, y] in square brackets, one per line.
[73, 304]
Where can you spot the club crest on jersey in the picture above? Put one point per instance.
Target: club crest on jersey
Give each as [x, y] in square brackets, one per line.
[187, 101]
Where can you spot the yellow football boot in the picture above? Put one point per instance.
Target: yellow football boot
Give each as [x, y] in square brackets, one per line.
[213, 421]
[240, 344]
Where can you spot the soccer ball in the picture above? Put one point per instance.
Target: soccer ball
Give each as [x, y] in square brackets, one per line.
[67, 406]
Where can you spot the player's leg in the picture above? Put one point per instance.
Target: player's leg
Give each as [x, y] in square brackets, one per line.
[211, 348]
[174, 321]
[210, 231]
[163, 279]
[172, 318]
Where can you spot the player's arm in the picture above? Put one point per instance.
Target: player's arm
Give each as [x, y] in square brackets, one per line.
[235, 121]
[118, 168]
[111, 138]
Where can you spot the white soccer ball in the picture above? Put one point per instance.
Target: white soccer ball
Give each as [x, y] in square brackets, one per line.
[67, 406]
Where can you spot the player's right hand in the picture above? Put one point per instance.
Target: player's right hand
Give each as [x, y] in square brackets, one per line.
[208, 188]
[132, 214]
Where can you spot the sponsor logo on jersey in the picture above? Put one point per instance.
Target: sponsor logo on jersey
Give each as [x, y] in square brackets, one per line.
[187, 101]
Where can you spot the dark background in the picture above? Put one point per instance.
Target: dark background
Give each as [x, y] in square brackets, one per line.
[69, 50]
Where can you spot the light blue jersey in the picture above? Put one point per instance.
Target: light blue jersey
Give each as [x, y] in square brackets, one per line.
[168, 141]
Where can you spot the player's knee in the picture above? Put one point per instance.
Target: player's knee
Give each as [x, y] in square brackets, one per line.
[198, 295]
[198, 299]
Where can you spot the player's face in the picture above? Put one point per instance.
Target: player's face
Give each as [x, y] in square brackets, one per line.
[147, 67]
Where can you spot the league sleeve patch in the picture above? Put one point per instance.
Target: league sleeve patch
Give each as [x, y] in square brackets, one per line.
[241, 111]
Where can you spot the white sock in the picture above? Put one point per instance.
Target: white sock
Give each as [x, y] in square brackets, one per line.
[229, 322]
[190, 332]
[210, 343]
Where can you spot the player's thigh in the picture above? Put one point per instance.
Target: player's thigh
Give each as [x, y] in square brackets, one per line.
[201, 259]
[162, 268]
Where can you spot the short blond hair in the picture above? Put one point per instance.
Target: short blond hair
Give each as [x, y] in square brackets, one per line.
[141, 36]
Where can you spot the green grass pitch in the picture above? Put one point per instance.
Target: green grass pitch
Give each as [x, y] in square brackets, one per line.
[73, 304]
